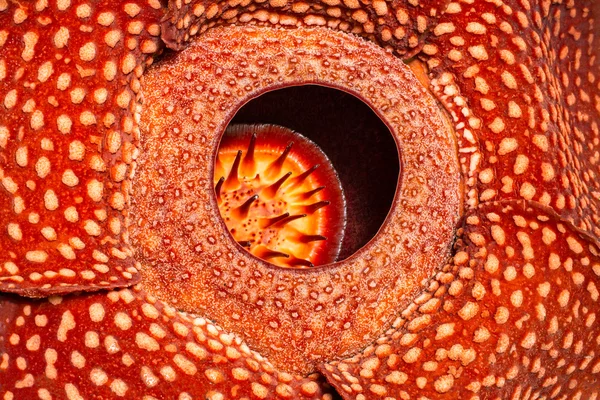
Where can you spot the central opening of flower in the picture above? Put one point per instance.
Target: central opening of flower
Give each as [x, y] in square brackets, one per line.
[279, 196]
[305, 176]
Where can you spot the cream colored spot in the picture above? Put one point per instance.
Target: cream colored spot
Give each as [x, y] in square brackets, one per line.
[42, 167]
[106, 18]
[67, 323]
[95, 190]
[444, 383]
[10, 185]
[214, 375]
[87, 52]
[521, 164]
[41, 320]
[149, 379]
[412, 355]
[14, 231]
[83, 11]
[529, 340]
[100, 95]
[97, 164]
[259, 390]
[97, 312]
[63, 4]
[87, 118]
[112, 38]
[541, 142]
[37, 120]
[77, 95]
[92, 339]
[64, 81]
[4, 135]
[119, 387]
[509, 80]
[48, 233]
[185, 365]
[123, 321]
[396, 377]
[240, 374]
[11, 268]
[574, 245]
[514, 111]
[468, 311]
[444, 331]
[150, 311]
[76, 150]
[33, 343]
[50, 200]
[64, 124]
[143, 341]
[67, 252]
[478, 52]
[128, 63]
[444, 28]
[476, 28]
[30, 39]
[516, 298]
[22, 156]
[71, 214]
[502, 315]
[69, 178]
[497, 125]
[10, 100]
[563, 298]
[77, 360]
[72, 392]
[36, 256]
[61, 37]
[98, 377]
[168, 373]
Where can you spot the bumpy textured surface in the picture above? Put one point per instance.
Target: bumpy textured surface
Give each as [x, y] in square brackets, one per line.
[522, 81]
[126, 344]
[69, 87]
[512, 315]
[297, 318]
[400, 26]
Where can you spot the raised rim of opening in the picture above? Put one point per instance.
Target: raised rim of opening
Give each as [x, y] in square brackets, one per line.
[370, 146]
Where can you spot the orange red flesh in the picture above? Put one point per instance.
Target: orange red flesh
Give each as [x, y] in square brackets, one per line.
[279, 196]
[296, 317]
[68, 137]
[520, 81]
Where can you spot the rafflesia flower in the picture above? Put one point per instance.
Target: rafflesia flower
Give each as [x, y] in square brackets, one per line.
[394, 200]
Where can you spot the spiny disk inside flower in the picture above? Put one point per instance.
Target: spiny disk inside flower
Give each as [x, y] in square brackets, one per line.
[279, 196]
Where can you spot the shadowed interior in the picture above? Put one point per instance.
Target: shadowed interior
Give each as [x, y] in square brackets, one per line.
[358, 143]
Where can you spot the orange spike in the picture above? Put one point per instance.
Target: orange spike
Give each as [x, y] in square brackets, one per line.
[274, 169]
[241, 212]
[288, 219]
[311, 238]
[270, 191]
[249, 163]
[267, 222]
[309, 194]
[311, 208]
[266, 254]
[233, 182]
[218, 188]
[302, 177]
[299, 262]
